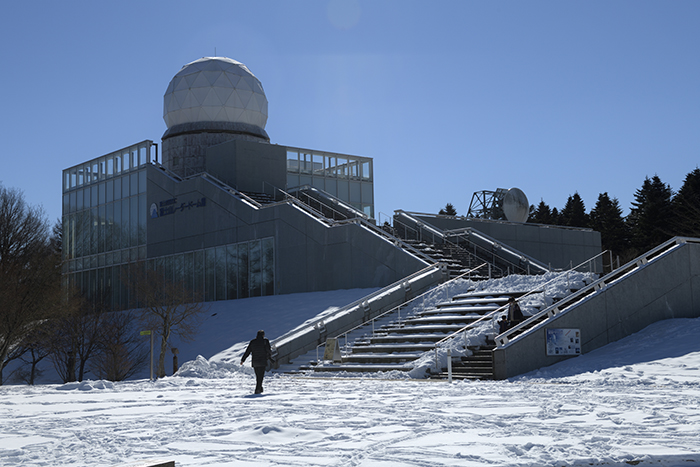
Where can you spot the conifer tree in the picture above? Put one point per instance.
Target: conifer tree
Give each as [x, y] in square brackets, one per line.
[650, 215]
[448, 210]
[606, 218]
[541, 214]
[686, 207]
[574, 212]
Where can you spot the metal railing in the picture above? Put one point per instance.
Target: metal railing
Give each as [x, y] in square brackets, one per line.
[396, 309]
[596, 286]
[495, 253]
[492, 314]
[320, 216]
[333, 200]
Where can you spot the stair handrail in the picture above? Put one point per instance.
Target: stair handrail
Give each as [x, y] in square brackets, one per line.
[500, 245]
[359, 301]
[290, 199]
[444, 238]
[331, 198]
[596, 286]
[396, 308]
[490, 315]
[495, 244]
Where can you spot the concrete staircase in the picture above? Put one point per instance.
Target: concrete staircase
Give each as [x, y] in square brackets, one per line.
[456, 259]
[394, 345]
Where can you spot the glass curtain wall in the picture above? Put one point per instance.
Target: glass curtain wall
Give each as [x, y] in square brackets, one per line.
[104, 217]
[348, 178]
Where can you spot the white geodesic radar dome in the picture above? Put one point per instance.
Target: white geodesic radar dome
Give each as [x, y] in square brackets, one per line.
[215, 89]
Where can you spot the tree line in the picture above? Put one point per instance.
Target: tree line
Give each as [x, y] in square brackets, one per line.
[656, 215]
[42, 318]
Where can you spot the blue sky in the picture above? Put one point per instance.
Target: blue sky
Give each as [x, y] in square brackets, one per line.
[449, 98]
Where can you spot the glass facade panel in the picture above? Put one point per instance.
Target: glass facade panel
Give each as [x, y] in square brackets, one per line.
[292, 161]
[109, 191]
[355, 193]
[232, 272]
[134, 182]
[306, 163]
[317, 164]
[221, 273]
[322, 169]
[125, 229]
[210, 275]
[142, 181]
[72, 203]
[255, 265]
[198, 275]
[366, 171]
[133, 221]
[188, 273]
[142, 216]
[118, 188]
[243, 291]
[117, 226]
[268, 266]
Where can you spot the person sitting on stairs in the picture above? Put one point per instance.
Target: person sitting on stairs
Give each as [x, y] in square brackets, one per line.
[515, 315]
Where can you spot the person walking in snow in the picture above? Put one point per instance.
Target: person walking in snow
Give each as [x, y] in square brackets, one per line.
[515, 315]
[262, 353]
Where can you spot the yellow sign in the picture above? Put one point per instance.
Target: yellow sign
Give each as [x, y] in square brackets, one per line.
[145, 333]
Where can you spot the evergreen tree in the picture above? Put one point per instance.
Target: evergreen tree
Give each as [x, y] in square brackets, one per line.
[541, 214]
[448, 210]
[650, 215]
[606, 218]
[686, 207]
[574, 212]
[556, 217]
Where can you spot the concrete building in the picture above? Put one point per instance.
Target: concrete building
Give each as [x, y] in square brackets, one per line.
[227, 212]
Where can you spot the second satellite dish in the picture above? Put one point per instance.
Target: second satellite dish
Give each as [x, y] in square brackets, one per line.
[515, 205]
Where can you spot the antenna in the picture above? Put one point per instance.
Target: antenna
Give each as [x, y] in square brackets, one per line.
[215, 51]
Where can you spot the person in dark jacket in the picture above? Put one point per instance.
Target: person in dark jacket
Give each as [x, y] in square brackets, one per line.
[260, 348]
[515, 315]
[502, 324]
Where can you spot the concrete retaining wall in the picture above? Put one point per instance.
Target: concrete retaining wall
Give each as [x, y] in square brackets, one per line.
[655, 288]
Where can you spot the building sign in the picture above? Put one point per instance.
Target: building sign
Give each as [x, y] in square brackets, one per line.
[563, 341]
[173, 206]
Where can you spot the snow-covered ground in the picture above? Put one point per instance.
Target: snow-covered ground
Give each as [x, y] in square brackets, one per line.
[634, 402]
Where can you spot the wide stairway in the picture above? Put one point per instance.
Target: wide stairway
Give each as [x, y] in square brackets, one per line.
[395, 344]
[456, 259]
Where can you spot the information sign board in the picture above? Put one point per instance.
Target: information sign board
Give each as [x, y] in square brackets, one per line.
[563, 341]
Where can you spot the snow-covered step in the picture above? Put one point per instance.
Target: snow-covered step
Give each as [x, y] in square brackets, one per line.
[392, 348]
[445, 329]
[382, 358]
[474, 301]
[481, 310]
[359, 368]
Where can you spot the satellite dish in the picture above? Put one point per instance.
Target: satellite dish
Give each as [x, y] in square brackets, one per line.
[515, 205]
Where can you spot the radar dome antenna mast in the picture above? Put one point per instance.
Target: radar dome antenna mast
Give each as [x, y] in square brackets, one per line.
[502, 204]
[516, 206]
